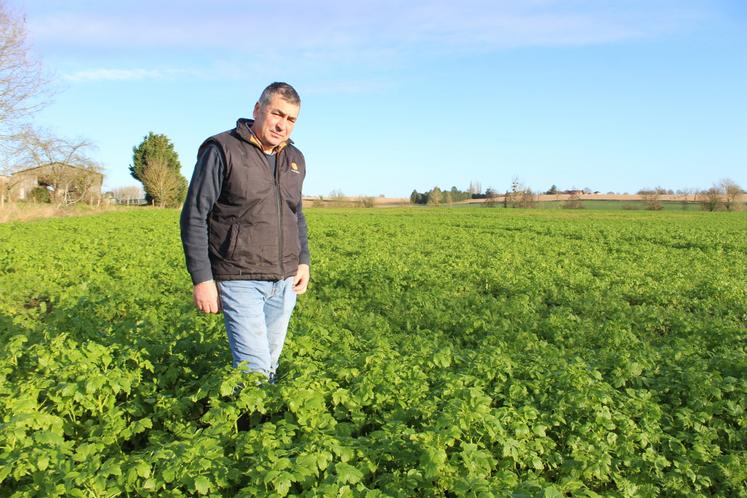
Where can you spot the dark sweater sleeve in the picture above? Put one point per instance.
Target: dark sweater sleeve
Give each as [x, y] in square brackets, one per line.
[204, 190]
[303, 236]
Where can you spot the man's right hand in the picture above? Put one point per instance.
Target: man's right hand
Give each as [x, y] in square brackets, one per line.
[206, 297]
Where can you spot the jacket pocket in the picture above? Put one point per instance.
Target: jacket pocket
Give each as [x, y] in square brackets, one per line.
[221, 238]
[290, 187]
[232, 241]
[292, 244]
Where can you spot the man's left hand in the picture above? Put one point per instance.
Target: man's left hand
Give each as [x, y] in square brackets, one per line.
[301, 281]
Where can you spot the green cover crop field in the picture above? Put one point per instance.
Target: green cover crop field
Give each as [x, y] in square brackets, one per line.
[438, 352]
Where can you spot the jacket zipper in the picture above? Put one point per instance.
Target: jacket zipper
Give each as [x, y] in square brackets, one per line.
[280, 215]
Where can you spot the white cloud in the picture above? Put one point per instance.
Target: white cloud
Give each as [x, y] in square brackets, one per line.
[230, 39]
[331, 26]
[115, 75]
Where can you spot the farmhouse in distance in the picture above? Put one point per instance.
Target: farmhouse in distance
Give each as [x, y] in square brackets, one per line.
[59, 182]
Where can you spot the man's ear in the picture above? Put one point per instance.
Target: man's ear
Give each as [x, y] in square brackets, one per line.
[255, 113]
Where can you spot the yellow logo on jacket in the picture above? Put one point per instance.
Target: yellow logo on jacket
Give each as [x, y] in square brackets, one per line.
[294, 167]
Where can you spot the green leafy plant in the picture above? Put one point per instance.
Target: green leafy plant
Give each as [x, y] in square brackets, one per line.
[462, 353]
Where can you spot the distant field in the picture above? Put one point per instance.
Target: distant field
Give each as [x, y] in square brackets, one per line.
[626, 205]
[600, 204]
[588, 201]
[25, 211]
[438, 352]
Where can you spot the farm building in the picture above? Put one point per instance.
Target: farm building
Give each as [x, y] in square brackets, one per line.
[64, 183]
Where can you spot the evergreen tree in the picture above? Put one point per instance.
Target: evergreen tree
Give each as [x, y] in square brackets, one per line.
[157, 149]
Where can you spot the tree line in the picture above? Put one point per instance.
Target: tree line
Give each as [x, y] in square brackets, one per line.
[722, 196]
[436, 196]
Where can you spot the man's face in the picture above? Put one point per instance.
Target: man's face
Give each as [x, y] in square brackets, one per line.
[274, 122]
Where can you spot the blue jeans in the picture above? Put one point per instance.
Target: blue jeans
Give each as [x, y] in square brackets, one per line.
[256, 314]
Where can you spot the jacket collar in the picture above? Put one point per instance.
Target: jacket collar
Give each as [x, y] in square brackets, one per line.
[244, 130]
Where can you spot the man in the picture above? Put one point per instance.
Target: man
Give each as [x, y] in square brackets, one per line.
[243, 230]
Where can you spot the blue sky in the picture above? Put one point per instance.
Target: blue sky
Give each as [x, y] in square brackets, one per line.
[609, 95]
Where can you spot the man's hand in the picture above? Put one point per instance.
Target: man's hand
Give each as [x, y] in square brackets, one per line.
[206, 297]
[301, 280]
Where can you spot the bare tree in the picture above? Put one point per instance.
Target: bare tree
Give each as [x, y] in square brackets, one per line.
[723, 195]
[23, 85]
[527, 198]
[24, 89]
[161, 182]
[84, 186]
[573, 201]
[511, 198]
[475, 188]
[127, 195]
[68, 171]
[710, 200]
[491, 196]
[36, 147]
[516, 184]
[521, 196]
[730, 190]
[687, 192]
[652, 198]
[366, 201]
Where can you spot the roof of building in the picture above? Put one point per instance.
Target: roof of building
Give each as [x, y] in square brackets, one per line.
[54, 164]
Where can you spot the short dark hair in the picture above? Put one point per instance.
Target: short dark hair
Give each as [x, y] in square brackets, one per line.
[284, 90]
